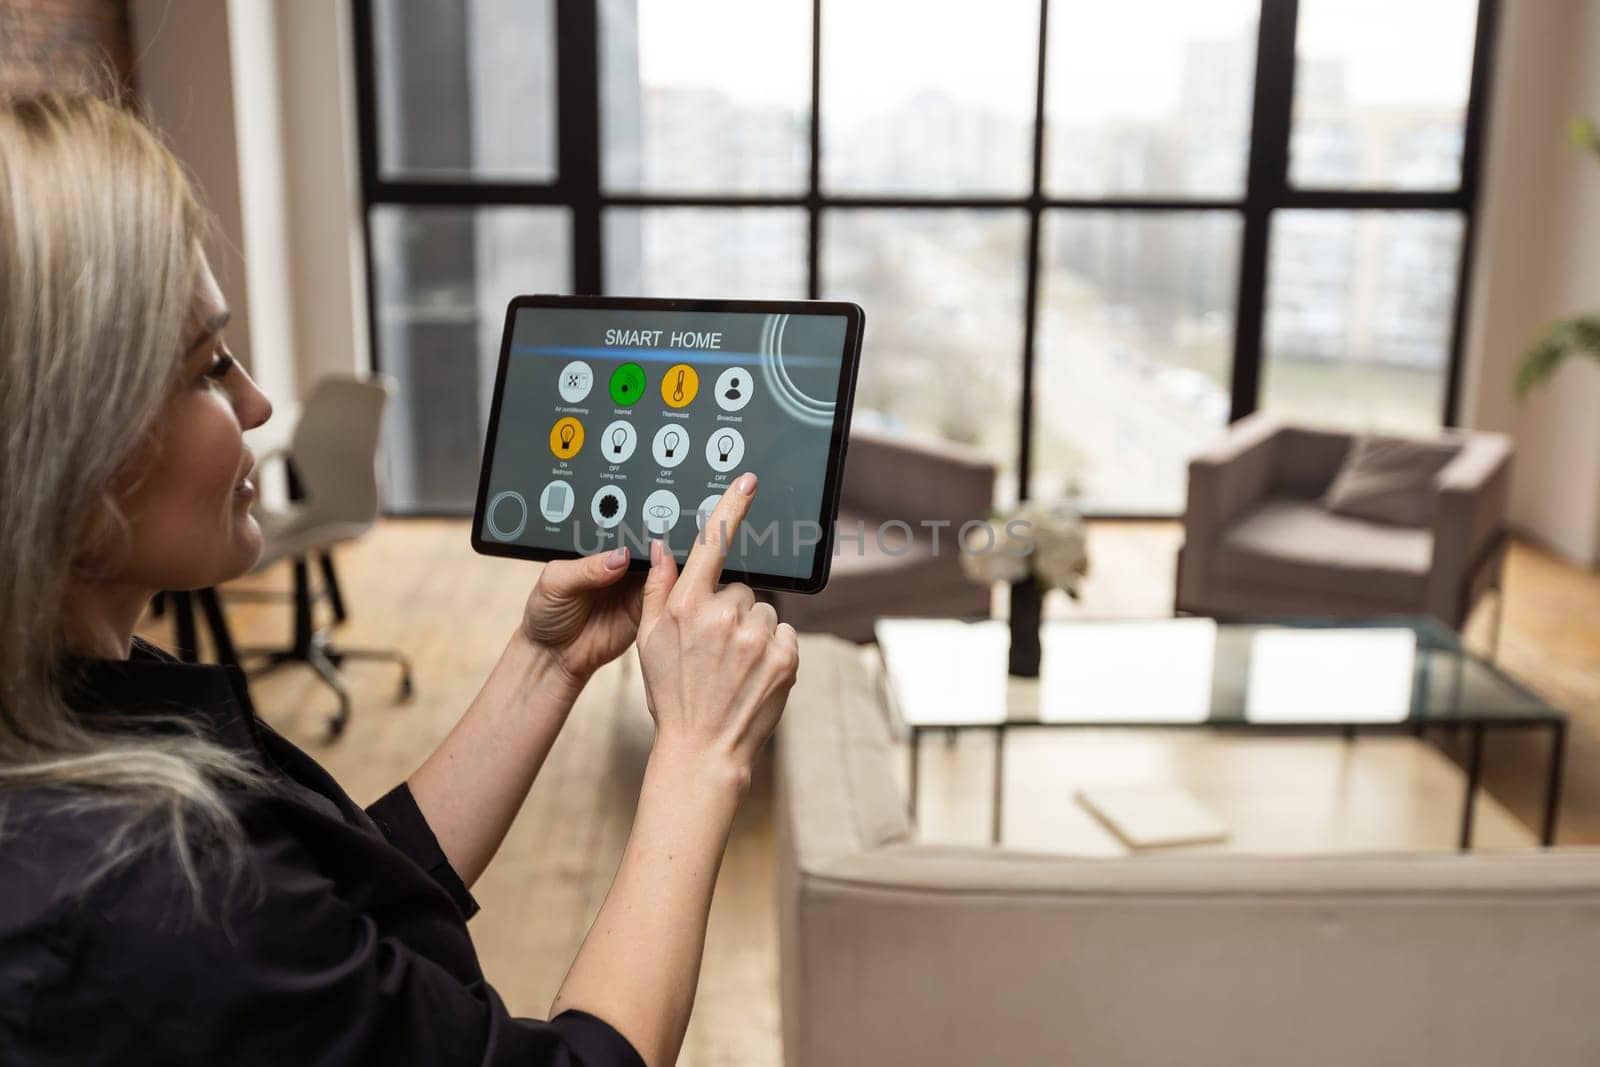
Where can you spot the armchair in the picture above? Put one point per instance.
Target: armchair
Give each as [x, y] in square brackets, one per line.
[914, 480]
[1257, 539]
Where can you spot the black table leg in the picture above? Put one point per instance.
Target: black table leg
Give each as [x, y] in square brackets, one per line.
[184, 639]
[330, 582]
[1552, 795]
[1474, 774]
[221, 639]
[916, 758]
[999, 776]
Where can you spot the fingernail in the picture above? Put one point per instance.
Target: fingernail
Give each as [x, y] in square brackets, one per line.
[655, 553]
[746, 484]
[616, 559]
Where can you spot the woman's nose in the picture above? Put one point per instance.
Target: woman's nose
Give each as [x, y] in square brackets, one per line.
[251, 404]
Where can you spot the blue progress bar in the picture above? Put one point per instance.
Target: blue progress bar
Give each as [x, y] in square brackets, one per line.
[668, 355]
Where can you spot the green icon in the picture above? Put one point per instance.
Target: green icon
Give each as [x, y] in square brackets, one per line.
[627, 384]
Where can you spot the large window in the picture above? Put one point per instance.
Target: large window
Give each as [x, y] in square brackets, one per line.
[1087, 235]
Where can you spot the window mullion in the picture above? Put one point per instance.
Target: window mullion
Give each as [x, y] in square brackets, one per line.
[1266, 187]
[578, 136]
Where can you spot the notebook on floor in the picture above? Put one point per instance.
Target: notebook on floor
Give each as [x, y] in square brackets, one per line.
[1154, 816]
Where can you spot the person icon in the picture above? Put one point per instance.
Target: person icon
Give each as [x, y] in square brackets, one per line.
[734, 387]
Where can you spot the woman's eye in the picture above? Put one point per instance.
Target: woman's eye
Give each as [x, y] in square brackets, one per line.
[220, 366]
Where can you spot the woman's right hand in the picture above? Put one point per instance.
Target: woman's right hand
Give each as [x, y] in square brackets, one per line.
[717, 664]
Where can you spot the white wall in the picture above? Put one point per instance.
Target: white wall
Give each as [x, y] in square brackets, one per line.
[324, 188]
[1538, 258]
[256, 97]
[263, 192]
[184, 70]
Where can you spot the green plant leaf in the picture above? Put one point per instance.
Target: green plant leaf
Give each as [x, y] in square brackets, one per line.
[1562, 339]
[1584, 135]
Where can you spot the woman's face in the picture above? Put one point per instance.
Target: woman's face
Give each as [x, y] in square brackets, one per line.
[188, 494]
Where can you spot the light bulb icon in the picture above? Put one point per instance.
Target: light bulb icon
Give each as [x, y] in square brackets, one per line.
[724, 446]
[669, 443]
[568, 430]
[619, 437]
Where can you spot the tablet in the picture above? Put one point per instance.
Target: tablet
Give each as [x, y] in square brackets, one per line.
[616, 421]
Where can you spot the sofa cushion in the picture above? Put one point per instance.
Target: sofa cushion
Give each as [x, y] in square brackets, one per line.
[1300, 546]
[1389, 479]
[835, 737]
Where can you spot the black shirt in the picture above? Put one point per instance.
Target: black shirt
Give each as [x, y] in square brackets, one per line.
[344, 943]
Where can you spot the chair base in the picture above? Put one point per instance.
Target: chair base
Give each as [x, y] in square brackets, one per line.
[314, 647]
[322, 656]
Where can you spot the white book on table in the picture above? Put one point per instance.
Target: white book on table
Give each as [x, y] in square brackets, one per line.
[1154, 816]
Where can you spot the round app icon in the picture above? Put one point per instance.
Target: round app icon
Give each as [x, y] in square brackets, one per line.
[506, 515]
[703, 512]
[733, 388]
[671, 445]
[575, 382]
[680, 385]
[608, 506]
[724, 449]
[566, 437]
[627, 385]
[555, 503]
[660, 512]
[619, 441]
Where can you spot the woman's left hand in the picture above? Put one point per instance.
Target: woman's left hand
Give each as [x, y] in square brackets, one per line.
[583, 611]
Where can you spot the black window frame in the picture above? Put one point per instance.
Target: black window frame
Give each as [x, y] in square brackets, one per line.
[578, 188]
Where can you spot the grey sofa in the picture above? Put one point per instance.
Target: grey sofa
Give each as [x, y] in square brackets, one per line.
[896, 953]
[1257, 541]
[912, 479]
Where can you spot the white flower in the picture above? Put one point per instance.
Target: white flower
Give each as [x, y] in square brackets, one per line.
[1054, 538]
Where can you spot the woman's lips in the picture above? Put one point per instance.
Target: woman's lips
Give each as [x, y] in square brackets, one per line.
[246, 489]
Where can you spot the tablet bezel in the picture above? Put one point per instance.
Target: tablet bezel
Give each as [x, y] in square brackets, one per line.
[838, 443]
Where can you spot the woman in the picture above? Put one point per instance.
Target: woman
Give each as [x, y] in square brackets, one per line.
[182, 885]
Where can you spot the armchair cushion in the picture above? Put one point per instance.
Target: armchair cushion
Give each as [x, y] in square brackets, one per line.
[1389, 479]
[1288, 544]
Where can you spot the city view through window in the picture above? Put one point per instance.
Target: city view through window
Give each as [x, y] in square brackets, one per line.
[924, 207]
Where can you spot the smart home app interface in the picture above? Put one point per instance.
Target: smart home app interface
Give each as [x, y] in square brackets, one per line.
[620, 426]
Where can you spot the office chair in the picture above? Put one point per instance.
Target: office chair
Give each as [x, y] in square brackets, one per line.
[333, 459]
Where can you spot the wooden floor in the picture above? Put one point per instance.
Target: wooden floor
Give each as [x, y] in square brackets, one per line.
[415, 584]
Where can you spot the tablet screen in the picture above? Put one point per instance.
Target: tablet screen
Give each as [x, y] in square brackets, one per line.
[619, 423]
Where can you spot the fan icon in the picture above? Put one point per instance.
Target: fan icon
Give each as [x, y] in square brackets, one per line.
[609, 507]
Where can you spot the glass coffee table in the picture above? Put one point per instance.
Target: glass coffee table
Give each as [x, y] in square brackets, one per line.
[1296, 675]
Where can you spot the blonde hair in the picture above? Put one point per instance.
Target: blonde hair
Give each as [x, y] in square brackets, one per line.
[100, 232]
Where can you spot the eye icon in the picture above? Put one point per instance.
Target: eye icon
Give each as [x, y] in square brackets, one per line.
[660, 512]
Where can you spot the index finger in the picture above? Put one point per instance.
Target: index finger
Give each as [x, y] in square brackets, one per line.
[710, 550]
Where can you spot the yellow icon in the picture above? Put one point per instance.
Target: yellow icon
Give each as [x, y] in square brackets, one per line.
[566, 437]
[679, 385]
